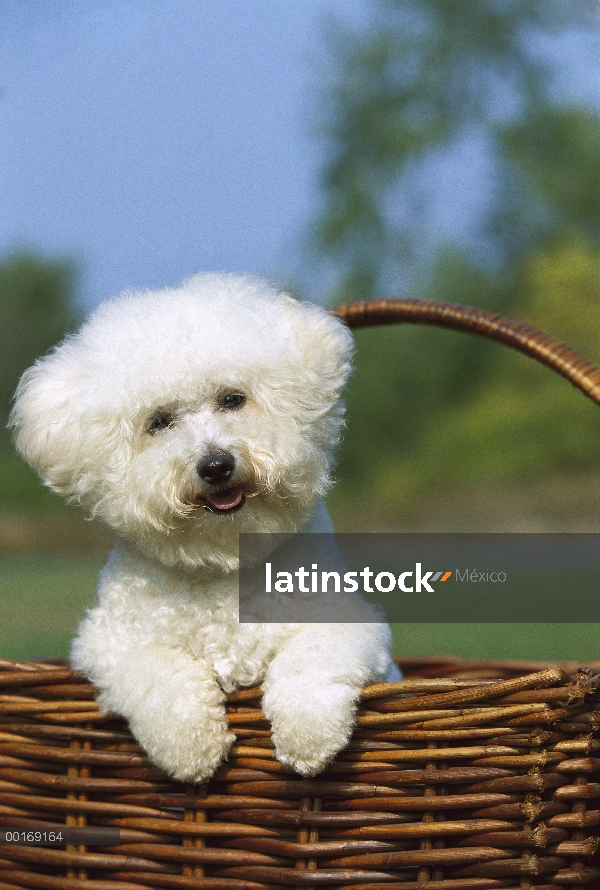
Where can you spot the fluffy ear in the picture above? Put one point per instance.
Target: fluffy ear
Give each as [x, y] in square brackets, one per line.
[46, 409]
[325, 342]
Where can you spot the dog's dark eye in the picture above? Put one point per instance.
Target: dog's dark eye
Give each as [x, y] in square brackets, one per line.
[232, 400]
[161, 421]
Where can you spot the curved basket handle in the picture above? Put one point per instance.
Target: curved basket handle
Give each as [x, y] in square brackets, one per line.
[581, 371]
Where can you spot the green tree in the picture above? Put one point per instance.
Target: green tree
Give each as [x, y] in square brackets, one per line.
[37, 309]
[420, 75]
[521, 422]
[498, 425]
[551, 160]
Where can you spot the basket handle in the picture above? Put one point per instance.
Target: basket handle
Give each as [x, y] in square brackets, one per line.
[581, 371]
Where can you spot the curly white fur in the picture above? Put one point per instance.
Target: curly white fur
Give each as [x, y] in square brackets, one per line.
[119, 419]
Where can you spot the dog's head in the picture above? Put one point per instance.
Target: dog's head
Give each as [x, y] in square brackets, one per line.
[183, 417]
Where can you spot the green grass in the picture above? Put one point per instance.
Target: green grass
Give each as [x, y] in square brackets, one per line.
[43, 598]
[528, 642]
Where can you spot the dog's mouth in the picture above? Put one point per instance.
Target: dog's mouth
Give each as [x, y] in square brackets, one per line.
[225, 501]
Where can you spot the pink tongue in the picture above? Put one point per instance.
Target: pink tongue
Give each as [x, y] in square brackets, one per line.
[226, 500]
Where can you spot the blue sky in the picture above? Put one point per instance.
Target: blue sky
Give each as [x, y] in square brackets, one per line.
[151, 139]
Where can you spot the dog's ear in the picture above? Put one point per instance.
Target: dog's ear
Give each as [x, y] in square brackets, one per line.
[46, 421]
[325, 343]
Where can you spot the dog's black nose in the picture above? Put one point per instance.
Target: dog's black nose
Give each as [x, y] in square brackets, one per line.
[217, 468]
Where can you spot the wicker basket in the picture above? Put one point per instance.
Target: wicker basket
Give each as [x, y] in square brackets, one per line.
[464, 776]
[447, 784]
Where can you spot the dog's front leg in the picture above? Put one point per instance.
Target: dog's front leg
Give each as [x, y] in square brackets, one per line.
[173, 704]
[313, 686]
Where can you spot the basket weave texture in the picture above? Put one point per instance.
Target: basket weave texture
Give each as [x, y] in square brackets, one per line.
[463, 776]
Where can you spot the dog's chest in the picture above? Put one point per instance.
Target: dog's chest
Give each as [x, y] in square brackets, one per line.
[238, 653]
[197, 615]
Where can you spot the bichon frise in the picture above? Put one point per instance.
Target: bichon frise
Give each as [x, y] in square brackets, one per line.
[181, 418]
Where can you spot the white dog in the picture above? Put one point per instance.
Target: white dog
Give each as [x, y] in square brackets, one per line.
[182, 418]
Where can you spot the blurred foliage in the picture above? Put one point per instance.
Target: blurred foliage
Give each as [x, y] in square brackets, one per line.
[37, 309]
[418, 75]
[431, 409]
[550, 182]
[497, 417]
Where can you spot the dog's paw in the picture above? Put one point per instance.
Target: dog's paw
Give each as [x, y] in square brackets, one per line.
[209, 758]
[309, 724]
[186, 737]
[307, 765]
[188, 752]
